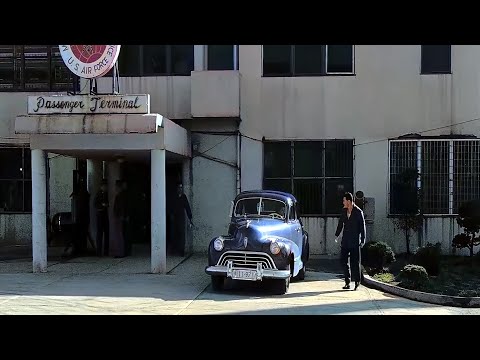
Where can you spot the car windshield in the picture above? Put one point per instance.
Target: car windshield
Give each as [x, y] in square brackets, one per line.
[259, 206]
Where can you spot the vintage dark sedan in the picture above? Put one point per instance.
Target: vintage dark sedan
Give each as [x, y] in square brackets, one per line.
[265, 240]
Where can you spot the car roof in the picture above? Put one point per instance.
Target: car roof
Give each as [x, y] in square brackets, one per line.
[279, 195]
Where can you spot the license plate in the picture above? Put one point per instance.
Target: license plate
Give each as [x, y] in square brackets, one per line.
[244, 275]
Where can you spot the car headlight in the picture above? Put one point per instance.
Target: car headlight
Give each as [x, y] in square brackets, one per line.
[218, 244]
[274, 248]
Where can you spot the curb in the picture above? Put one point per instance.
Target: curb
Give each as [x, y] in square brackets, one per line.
[445, 300]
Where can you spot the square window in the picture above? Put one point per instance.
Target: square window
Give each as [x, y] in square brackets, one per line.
[339, 58]
[436, 59]
[220, 57]
[308, 60]
[277, 60]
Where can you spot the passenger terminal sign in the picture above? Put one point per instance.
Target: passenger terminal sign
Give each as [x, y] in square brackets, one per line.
[89, 61]
[88, 104]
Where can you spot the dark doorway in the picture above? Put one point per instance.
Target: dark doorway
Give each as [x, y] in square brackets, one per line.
[137, 176]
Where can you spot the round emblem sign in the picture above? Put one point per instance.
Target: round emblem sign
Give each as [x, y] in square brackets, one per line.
[89, 61]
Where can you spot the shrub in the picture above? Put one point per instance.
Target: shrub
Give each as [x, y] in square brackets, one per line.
[377, 255]
[384, 277]
[469, 219]
[429, 257]
[413, 277]
[469, 293]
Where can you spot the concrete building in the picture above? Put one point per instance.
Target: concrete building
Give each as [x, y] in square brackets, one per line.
[314, 120]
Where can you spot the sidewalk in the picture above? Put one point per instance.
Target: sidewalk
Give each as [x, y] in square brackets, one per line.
[18, 259]
[104, 286]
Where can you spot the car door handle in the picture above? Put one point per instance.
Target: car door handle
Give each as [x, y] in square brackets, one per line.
[298, 229]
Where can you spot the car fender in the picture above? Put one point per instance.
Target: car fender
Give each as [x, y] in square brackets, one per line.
[291, 248]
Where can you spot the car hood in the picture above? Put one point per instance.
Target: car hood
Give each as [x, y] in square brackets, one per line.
[257, 232]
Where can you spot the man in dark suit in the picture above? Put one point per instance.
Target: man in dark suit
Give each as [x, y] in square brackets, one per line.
[352, 222]
[177, 219]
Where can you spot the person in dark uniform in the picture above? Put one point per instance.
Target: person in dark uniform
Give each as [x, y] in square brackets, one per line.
[177, 220]
[82, 220]
[76, 244]
[101, 206]
[352, 222]
[120, 210]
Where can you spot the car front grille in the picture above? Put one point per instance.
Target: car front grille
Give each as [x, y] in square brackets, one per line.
[247, 260]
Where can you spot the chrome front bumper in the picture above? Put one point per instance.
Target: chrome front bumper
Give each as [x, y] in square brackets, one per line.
[227, 271]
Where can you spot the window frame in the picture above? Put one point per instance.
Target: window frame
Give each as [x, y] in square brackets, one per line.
[19, 72]
[168, 63]
[323, 178]
[336, 73]
[422, 72]
[24, 180]
[323, 66]
[235, 58]
[452, 173]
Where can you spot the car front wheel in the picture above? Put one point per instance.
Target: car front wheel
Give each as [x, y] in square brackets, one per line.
[281, 286]
[217, 283]
[301, 273]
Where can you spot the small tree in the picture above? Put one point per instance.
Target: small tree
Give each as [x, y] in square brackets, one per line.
[406, 195]
[469, 219]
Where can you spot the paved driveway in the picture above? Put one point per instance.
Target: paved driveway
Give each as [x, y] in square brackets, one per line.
[107, 286]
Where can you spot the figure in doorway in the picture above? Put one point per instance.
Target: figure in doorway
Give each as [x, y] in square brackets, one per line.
[101, 206]
[82, 221]
[122, 219]
[76, 245]
[180, 206]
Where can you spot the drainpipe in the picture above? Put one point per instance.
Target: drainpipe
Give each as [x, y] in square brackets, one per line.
[239, 148]
[235, 57]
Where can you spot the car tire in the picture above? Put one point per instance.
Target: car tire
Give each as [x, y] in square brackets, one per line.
[305, 256]
[301, 273]
[281, 286]
[217, 283]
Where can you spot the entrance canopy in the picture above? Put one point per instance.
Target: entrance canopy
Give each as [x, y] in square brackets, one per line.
[104, 136]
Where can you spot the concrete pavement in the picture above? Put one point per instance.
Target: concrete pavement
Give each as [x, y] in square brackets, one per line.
[124, 286]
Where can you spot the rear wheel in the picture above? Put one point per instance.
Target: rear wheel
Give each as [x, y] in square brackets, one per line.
[305, 256]
[217, 283]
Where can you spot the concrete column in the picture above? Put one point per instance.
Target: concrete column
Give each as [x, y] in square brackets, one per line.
[158, 212]
[187, 189]
[39, 211]
[199, 57]
[94, 179]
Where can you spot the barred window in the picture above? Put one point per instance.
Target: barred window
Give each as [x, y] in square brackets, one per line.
[34, 68]
[317, 172]
[449, 174]
[15, 180]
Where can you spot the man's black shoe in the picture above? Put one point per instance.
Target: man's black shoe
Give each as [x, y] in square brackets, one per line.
[357, 283]
[346, 287]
